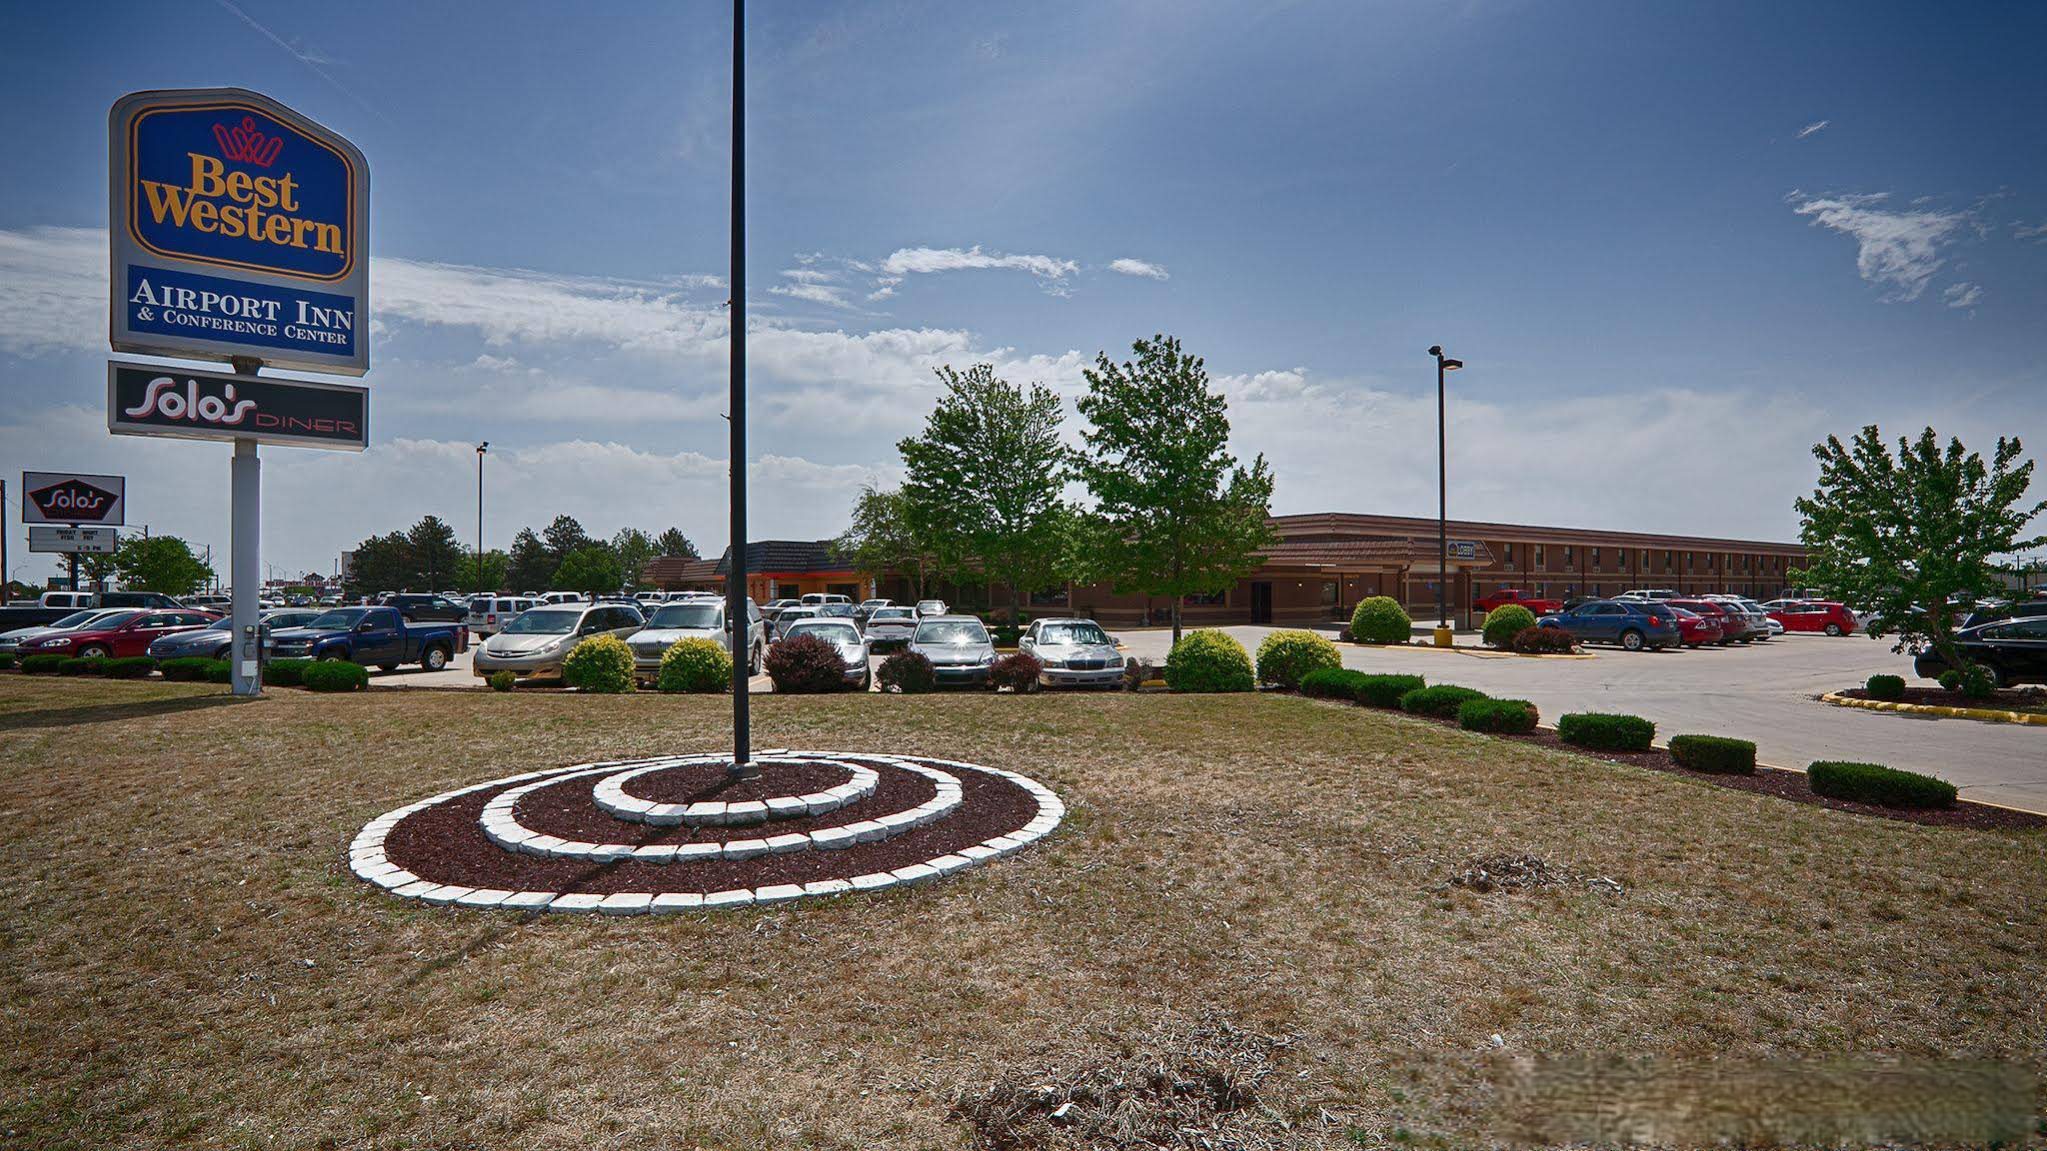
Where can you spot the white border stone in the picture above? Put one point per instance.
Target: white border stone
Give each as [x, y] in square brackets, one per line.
[611, 797]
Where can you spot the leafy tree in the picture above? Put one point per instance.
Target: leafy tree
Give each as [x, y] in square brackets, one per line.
[673, 543]
[488, 576]
[162, 564]
[633, 548]
[1904, 537]
[592, 570]
[565, 536]
[984, 481]
[1175, 515]
[435, 552]
[880, 538]
[97, 567]
[531, 564]
[383, 563]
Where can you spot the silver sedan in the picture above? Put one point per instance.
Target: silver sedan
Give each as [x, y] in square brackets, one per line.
[1073, 652]
[958, 647]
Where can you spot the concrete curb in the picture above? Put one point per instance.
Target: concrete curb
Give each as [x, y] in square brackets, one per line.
[1985, 714]
[1473, 653]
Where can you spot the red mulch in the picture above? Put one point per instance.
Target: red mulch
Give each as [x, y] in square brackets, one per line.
[444, 843]
[2006, 699]
[565, 809]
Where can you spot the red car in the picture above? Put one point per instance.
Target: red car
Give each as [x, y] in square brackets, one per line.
[1815, 615]
[1727, 627]
[1507, 595]
[119, 636]
[1695, 628]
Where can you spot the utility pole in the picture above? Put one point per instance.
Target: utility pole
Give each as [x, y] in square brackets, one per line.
[738, 626]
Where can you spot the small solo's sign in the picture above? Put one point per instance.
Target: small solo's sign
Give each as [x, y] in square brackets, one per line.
[238, 228]
[72, 498]
[150, 401]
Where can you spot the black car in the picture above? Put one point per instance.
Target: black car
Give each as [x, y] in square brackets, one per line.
[1992, 614]
[2012, 650]
[429, 608]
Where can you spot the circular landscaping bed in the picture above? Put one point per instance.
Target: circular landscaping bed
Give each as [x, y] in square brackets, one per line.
[672, 834]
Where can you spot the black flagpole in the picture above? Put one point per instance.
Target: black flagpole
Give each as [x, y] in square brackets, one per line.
[738, 625]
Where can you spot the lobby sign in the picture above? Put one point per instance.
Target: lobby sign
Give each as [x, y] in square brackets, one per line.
[237, 227]
[72, 498]
[61, 539]
[145, 400]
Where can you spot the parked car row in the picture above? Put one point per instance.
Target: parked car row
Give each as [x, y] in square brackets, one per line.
[1657, 618]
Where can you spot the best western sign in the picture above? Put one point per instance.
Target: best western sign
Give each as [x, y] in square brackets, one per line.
[149, 401]
[71, 498]
[238, 228]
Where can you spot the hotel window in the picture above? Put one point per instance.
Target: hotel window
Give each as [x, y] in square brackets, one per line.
[1567, 555]
[1538, 555]
[1509, 552]
[1595, 559]
[1688, 561]
[1209, 599]
[1666, 561]
[1329, 593]
[1050, 597]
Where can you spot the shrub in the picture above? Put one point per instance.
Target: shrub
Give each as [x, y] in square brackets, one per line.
[1386, 690]
[1714, 753]
[1508, 716]
[6, 660]
[806, 663]
[218, 671]
[908, 673]
[97, 665]
[1332, 683]
[1017, 671]
[1289, 654]
[1885, 687]
[1380, 619]
[43, 664]
[286, 672]
[1875, 783]
[334, 675]
[1441, 701]
[130, 667]
[1971, 682]
[191, 667]
[1208, 660]
[700, 664]
[501, 680]
[600, 665]
[1604, 731]
[1502, 624]
[1544, 641]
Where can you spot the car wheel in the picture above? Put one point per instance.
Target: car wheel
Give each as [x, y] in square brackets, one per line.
[95, 651]
[1833, 629]
[753, 664]
[436, 659]
[1631, 640]
[224, 652]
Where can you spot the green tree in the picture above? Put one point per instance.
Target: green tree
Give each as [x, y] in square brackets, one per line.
[634, 548]
[435, 552]
[160, 564]
[673, 543]
[532, 565]
[97, 567]
[1174, 515]
[880, 538]
[984, 481]
[383, 563]
[1905, 537]
[486, 577]
[592, 570]
[565, 536]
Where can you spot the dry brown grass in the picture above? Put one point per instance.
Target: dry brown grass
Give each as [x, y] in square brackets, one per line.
[187, 962]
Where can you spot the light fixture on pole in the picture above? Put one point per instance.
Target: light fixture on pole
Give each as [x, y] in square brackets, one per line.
[480, 449]
[1444, 366]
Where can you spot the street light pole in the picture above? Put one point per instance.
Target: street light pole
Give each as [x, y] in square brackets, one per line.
[480, 449]
[1444, 366]
[737, 624]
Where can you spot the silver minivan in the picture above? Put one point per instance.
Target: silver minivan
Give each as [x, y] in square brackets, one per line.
[537, 640]
[488, 614]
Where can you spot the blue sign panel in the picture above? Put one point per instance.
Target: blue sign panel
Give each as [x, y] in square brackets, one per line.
[183, 303]
[238, 229]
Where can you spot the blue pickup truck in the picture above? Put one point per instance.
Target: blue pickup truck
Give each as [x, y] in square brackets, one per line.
[373, 636]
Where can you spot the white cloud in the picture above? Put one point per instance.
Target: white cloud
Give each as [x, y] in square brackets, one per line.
[1962, 295]
[1813, 127]
[1132, 267]
[1898, 249]
[2030, 232]
[812, 292]
[1048, 270]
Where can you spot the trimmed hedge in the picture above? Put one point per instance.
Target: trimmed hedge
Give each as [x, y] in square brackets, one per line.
[1545, 641]
[1875, 783]
[334, 675]
[1287, 655]
[600, 665]
[502, 680]
[1505, 716]
[1885, 687]
[1605, 731]
[6, 660]
[1714, 753]
[128, 667]
[286, 672]
[96, 665]
[805, 663]
[907, 673]
[218, 671]
[695, 665]
[190, 667]
[1504, 623]
[1017, 671]
[1441, 701]
[1332, 683]
[1208, 661]
[43, 664]
[1387, 690]
[1380, 619]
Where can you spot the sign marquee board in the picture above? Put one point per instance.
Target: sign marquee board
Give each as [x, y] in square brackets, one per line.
[145, 400]
[53, 538]
[72, 498]
[237, 227]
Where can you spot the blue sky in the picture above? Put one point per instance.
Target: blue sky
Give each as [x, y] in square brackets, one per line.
[1675, 244]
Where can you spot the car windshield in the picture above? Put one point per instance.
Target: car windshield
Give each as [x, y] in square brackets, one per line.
[339, 620]
[541, 622]
[829, 630]
[960, 631]
[678, 616]
[1086, 633]
[114, 619]
[74, 619]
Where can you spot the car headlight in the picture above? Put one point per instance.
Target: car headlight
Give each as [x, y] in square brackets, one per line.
[985, 658]
[59, 642]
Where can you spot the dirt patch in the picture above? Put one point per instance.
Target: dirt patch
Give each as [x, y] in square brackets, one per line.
[2031, 699]
[1506, 872]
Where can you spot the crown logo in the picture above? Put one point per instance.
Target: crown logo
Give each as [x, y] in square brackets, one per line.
[246, 144]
